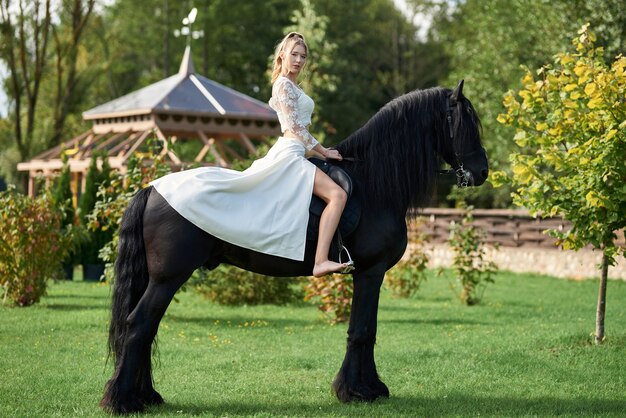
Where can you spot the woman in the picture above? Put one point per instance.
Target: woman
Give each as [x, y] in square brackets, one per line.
[266, 207]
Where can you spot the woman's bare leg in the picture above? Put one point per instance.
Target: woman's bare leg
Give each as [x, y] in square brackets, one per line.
[335, 197]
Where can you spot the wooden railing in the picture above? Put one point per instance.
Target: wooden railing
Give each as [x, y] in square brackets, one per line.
[508, 228]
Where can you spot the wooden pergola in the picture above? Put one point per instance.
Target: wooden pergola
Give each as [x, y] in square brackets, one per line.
[183, 107]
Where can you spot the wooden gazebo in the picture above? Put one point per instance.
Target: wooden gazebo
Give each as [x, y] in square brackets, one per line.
[185, 106]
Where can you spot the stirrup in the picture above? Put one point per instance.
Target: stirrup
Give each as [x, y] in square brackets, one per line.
[350, 263]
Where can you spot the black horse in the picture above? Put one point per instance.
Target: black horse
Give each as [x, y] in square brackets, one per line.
[395, 159]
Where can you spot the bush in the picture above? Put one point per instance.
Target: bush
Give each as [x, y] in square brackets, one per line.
[115, 195]
[473, 272]
[229, 285]
[33, 245]
[96, 238]
[62, 196]
[63, 199]
[333, 296]
[406, 277]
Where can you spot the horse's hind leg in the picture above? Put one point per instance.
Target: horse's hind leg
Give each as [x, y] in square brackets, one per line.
[132, 381]
[158, 252]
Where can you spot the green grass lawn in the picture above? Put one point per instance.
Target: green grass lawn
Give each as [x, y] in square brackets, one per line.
[526, 351]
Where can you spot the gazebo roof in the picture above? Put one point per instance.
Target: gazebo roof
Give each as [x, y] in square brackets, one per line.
[184, 106]
[184, 93]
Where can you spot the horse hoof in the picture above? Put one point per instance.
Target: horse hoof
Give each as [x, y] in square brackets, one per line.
[380, 389]
[152, 398]
[357, 393]
[362, 394]
[122, 407]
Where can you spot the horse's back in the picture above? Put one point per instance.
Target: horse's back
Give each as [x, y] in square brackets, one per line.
[174, 246]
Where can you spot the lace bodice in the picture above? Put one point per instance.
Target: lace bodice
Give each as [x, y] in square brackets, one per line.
[294, 109]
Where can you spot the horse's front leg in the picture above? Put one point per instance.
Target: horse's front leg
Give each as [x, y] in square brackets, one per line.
[358, 379]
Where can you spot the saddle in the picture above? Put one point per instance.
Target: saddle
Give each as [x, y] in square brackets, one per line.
[351, 213]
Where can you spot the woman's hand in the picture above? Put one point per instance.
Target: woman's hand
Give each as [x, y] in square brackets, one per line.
[333, 154]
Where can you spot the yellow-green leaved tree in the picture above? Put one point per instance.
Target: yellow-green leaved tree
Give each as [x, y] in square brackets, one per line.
[571, 132]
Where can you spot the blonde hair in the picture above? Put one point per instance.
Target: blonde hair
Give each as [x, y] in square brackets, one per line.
[287, 44]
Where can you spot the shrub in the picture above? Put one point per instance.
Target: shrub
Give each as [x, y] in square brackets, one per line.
[406, 277]
[96, 238]
[473, 272]
[333, 296]
[63, 199]
[116, 194]
[33, 245]
[229, 285]
[62, 196]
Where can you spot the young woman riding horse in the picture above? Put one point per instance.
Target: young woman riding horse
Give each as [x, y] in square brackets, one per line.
[265, 208]
[395, 158]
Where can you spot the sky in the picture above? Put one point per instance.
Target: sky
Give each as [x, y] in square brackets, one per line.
[421, 21]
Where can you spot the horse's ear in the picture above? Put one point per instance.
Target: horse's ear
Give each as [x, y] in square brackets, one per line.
[457, 92]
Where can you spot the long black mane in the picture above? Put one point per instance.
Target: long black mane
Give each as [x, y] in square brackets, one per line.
[396, 150]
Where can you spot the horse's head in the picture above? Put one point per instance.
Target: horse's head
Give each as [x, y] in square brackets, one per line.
[463, 149]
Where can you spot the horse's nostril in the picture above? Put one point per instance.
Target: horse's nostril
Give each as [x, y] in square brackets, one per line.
[485, 173]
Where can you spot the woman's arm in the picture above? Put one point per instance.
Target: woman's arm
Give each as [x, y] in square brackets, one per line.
[286, 96]
[332, 154]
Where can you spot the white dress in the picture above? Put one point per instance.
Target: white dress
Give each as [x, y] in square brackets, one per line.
[266, 207]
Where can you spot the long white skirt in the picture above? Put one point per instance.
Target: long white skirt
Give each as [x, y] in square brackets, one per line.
[264, 208]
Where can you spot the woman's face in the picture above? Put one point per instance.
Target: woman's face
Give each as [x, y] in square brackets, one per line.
[295, 60]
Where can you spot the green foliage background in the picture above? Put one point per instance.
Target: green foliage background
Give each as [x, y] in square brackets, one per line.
[366, 53]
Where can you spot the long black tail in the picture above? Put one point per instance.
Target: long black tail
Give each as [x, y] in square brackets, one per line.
[131, 271]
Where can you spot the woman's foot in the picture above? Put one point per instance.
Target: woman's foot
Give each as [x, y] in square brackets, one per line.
[327, 267]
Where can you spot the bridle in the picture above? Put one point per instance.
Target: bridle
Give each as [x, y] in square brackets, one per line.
[463, 176]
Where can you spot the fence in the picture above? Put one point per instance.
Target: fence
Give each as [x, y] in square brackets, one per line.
[523, 245]
[508, 228]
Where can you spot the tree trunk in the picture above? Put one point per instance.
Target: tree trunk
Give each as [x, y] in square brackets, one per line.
[66, 56]
[602, 301]
[205, 43]
[23, 50]
[166, 39]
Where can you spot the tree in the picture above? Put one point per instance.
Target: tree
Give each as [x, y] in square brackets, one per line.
[62, 201]
[571, 133]
[488, 41]
[96, 238]
[374, 41]
[62, 194]
[318, 75]
[238, 37]
[42, 86]
[67, 40]
[23, 50]
[88, 196]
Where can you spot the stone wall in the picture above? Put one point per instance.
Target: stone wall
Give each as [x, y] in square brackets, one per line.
[576, 265]
[523, 244]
